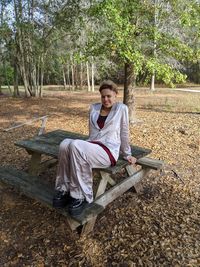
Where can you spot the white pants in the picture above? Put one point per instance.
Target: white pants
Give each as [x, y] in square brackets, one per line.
[76, 160]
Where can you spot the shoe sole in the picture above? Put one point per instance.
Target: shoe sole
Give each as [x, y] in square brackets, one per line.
[61, 204]
[77, 211]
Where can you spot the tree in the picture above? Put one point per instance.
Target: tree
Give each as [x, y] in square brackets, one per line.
[35, 27]
[126, 31]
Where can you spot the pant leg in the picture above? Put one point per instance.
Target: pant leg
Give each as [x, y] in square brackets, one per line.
[63, 171]
[83, 157]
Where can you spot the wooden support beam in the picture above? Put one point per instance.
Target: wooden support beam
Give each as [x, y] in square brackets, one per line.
[110, 195]
[43, 118]
[105, 178]
[154, 164]
[131, 170]
[120, 188]
[34, 165]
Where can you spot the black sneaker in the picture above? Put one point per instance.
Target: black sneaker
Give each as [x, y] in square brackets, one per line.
[60, 199]
[77, 206]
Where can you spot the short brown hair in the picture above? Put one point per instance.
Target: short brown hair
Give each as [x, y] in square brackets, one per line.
[108, 84]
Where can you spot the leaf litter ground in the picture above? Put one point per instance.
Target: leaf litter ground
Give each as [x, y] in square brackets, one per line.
[159, 227]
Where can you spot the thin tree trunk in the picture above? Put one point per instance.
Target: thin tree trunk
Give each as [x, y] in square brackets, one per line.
[64, 79]
[152, 88]
[68, 76]
[81, 76]
[41, 84]
[76, 76]
[88, 76]
[152, 83]
[72, 73]
[38, 73]
[129, 85]
[0, 86]
[34, 81]
[92, 74]
[6, 76]
[21, 54]
[41, 76]
[15, 81]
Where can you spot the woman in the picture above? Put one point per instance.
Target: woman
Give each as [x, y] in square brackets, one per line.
[108, 136]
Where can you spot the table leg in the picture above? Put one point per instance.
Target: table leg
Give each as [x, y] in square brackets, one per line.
[34, 165]
[131, 170]
[105, 178]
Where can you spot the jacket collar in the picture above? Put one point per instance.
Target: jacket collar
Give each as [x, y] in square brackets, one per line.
[96, 112]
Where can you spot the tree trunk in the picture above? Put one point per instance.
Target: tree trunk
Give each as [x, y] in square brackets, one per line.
[152, 88]
[0, 86]
[38, 74]
[152, 83]
[72, 73]
[19, 42]
[6, 76]
[64, 79]
[15, 81]
[81, 76]
[88, 77]
[41, 76]
[68, 76]
[129, 85]
[76, 76]
[34, 81]
[92, 74]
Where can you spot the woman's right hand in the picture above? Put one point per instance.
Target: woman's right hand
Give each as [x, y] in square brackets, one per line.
[131, 159]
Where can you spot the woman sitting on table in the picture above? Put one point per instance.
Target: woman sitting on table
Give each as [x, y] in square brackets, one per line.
[108, 136]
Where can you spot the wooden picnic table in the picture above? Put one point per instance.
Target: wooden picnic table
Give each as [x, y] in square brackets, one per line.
[48, 144]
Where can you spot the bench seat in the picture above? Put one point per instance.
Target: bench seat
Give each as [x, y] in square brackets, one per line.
[35, 188]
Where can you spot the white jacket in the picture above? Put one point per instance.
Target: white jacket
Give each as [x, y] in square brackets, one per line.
[115, 133]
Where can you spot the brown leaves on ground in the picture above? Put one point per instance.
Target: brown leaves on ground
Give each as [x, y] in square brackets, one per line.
[159, 227]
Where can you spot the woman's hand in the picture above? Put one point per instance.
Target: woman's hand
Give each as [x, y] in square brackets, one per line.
[131, 159]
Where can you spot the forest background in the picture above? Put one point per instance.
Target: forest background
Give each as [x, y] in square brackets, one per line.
[79, 43]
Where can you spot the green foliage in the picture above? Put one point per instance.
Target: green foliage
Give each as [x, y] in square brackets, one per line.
[6, 74]
[129, 33]
[165, 73]
[156, 39]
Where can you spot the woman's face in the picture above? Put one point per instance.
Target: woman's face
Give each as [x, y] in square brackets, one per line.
[108, 98]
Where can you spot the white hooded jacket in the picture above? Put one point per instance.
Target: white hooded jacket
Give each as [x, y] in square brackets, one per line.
[115, 133]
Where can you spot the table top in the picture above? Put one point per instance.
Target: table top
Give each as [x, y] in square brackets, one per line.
[48, 143]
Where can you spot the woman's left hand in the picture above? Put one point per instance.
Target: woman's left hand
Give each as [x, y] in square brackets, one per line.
[131, 160]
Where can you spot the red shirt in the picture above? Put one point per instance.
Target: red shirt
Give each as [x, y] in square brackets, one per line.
[101, 121]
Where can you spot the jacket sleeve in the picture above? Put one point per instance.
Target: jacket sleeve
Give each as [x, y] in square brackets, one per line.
[125, 148]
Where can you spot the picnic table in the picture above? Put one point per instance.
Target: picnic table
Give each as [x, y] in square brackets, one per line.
[32, 184]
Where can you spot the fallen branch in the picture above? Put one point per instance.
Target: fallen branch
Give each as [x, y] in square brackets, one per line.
[177, 176]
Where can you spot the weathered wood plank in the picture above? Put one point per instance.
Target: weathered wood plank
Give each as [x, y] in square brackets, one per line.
[48, 144]
[131, 170]
[89, 213]
[105, 178]
[39, 147]
[154, 164]
[110, 195]
[28, 184]
[34, 187]
[34, 165]
[120, 188]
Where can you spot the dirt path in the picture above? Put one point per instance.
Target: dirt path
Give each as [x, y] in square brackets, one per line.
[186, 90]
